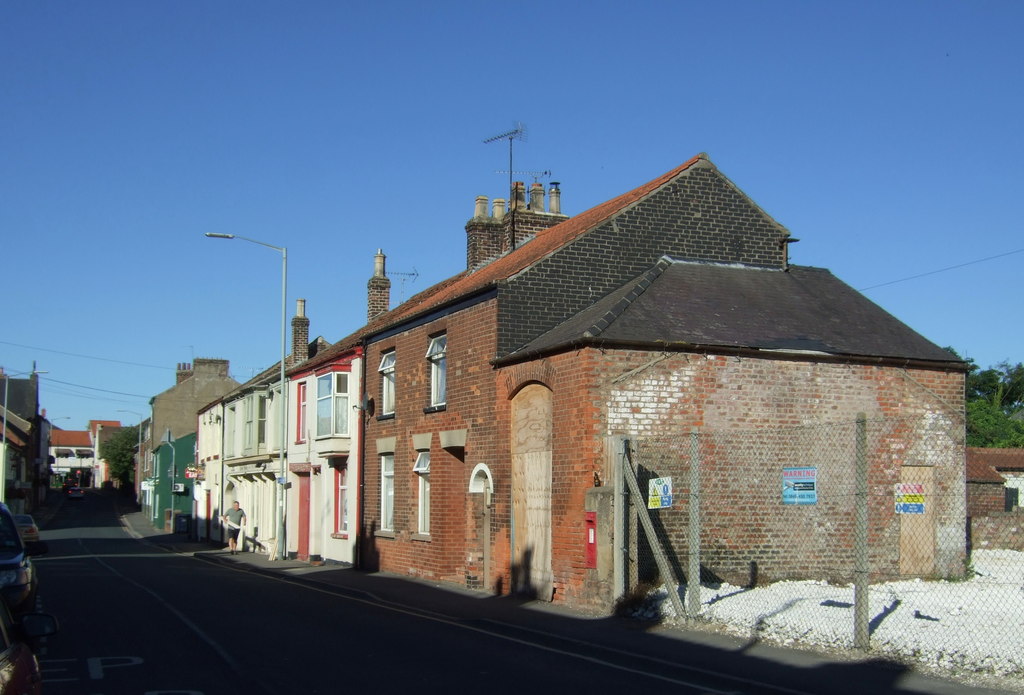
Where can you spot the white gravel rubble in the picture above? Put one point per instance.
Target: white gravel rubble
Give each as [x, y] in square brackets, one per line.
[971, 626]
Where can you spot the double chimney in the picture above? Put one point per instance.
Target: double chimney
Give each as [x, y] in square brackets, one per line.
[489, 236]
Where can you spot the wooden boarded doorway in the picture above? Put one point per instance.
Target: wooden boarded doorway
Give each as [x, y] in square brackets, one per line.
[531, 492]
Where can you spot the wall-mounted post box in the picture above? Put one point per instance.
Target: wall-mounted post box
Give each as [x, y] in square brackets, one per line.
[591, 540]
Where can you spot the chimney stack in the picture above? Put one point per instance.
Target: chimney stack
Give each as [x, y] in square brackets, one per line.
[184, 372]
[378, 289]
[300, 333]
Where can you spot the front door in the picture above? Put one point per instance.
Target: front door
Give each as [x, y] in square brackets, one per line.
[303, 521]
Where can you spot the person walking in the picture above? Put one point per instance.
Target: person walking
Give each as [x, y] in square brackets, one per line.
[235, 520]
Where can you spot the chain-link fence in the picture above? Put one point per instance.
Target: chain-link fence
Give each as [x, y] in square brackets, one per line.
[850, 534]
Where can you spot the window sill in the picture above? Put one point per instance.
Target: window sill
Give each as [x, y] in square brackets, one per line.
[384, 534]
[435, 408]
[422, 537]
[386, 416]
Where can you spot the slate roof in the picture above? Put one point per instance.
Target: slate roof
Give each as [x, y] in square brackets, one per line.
[705, 305]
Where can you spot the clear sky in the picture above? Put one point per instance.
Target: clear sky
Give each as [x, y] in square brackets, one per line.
[886, 136]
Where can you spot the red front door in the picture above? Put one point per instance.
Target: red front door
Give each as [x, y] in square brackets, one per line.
[303, 550]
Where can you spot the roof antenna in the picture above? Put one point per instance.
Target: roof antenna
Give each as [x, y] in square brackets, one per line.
[517, 133]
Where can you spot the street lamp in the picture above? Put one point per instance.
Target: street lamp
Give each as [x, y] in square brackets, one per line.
[3, 460]
[284, 386]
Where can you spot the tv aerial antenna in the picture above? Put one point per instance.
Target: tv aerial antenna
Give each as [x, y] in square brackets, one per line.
[517, 133]
[535, 174]
[411, 277]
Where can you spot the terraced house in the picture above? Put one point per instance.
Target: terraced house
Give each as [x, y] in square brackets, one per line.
[493, 400]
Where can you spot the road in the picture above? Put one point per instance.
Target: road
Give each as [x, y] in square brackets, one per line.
[137, 619]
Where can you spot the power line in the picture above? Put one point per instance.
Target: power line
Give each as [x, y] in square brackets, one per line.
[93, 388]
[941, 270]
[88, 357]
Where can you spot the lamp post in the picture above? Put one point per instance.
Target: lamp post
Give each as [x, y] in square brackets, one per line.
[284, 386]
[3, 460]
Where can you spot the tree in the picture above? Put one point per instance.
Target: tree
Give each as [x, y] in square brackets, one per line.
[119, 451]
[994, 403]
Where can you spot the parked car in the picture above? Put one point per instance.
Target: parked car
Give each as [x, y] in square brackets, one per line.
[18, 579]
[75, 493]
[18, 663]
[26, 527]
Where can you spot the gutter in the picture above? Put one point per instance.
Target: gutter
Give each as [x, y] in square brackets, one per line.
[729, 351]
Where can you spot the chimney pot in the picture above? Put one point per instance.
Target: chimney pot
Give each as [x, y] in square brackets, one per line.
[519, 195]
[481, 206]
[555, 198]
[537, 197]
[499, 209]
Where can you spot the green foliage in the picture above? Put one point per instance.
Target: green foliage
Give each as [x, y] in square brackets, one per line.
[995, 399]
[989, 426]
[119, 451]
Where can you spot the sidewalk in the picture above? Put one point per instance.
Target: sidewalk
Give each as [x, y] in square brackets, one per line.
[409, 592]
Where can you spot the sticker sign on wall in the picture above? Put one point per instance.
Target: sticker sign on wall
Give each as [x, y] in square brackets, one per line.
[909, 498]
[800, 485]
[659, 493]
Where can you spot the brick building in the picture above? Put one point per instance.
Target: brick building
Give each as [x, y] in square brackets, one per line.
[995, 514]
[493, 394]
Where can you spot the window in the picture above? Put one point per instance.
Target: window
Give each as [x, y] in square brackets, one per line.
[436, 355]
[422, 469]
[341, 503]
[387, 492]
[230, 418]
[254, 420]
[332, 404]
[300, 413]
[387, 383]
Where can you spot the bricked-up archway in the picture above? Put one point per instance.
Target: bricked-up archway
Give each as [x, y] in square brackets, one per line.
[531, 491]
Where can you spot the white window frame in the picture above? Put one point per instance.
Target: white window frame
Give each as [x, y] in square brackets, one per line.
[387, 383]
[422, 469]
[230, 425]
[341, 523]
[437, 355]
[332, 401]
[387, 492]
[301, 395]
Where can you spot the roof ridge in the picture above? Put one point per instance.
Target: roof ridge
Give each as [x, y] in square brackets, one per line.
[641, 285]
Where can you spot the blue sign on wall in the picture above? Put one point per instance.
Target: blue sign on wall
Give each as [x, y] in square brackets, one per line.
[800, 485]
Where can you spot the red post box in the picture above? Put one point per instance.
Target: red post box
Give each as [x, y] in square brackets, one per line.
[591, 540]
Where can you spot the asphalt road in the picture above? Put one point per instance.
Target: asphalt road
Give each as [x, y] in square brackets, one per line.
[138, 619]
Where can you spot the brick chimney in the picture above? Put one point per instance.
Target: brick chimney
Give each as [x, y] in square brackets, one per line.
[184, 372]
[300, 333]
[378, 289]
[489, 237]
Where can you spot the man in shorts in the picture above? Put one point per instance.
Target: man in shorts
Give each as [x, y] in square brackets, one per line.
[235, 519]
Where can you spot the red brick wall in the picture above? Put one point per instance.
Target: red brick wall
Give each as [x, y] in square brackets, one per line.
[638, 394]
[985, 498]
[453, 551]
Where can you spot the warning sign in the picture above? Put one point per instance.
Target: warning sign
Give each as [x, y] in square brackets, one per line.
[800, 485]
[659, 493]
[909, 498]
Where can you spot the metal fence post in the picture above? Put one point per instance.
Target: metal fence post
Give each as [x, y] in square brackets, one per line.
[693, 542]
[860, 539]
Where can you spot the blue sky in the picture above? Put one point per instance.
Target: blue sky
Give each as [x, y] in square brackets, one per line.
[885, 136]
